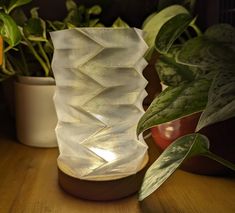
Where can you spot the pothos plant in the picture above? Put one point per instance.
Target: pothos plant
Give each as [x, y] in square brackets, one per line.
[27, 46]
[25, 41]
[10, 35]
[199, 70]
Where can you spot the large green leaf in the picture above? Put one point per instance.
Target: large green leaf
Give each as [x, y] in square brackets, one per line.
[224, 33]
[9, 30]
[181, 149]
[221, 32]
[171, 31]
[172, 73]
[174, 103]
[205, 53]
[154, 22]
[221, 101]
[184, 147]
[16, 3]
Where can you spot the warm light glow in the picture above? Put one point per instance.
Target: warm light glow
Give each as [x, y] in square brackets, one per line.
[105, 154]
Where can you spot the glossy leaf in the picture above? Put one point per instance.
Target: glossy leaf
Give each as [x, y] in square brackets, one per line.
[9, 30]
[171, 31]
[154, 22]
[205, 53]
[221, 102]
[174, 103]
[184, 147]
[172, 73]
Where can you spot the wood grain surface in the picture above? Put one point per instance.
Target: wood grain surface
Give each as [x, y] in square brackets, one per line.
[28, 184]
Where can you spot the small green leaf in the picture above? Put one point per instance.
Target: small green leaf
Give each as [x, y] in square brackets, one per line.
[16, 3]
[119, 23]
[95, 10]
[70, 5]
[172, 30]
[34, 12]
[174, 103]
[9, 30]
[19, 16]
[183, 148]
[93, 22]
[56, 25]
[35, 29]
[221, 102]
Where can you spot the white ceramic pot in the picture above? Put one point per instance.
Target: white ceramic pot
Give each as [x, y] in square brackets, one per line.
[35, 113]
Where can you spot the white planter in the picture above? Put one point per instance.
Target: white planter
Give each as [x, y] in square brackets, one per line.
[35, 113]
[98, 99]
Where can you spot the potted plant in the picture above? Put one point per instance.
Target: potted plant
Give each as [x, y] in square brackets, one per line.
[199, 71]
[35, 85]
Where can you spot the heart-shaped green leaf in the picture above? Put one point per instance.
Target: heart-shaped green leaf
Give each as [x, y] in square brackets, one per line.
[35, 29]
[205, 53]
[174, 103]
[154, 22]
[95, 10]
[172, 30]
[221, 101]
[9, 30]
[172, 73]
[184, 147]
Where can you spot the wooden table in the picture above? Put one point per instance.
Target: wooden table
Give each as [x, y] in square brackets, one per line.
[28, 184]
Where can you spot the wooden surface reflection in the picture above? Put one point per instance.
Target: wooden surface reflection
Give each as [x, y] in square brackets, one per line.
[28, 184]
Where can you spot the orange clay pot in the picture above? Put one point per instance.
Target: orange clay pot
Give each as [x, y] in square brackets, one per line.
[220, 136]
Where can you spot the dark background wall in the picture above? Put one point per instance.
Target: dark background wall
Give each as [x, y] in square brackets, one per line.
[134, 12]
[131, 11]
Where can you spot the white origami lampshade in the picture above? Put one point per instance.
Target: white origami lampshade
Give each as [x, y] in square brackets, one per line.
[98, 99]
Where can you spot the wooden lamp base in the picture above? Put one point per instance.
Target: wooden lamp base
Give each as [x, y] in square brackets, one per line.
[102, 190]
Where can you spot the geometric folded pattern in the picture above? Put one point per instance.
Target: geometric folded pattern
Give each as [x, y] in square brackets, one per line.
[99, 93]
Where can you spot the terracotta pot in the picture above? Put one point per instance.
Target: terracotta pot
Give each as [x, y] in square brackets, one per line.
[221, 142]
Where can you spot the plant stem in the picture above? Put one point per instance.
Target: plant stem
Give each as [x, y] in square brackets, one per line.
[188, 34]
[4, 66]
[37, 56]
[220, 160]
[25, 65]
[196, 29]
[192, 5]
[44, 55]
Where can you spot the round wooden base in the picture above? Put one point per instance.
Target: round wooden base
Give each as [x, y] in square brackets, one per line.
[102, 190]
